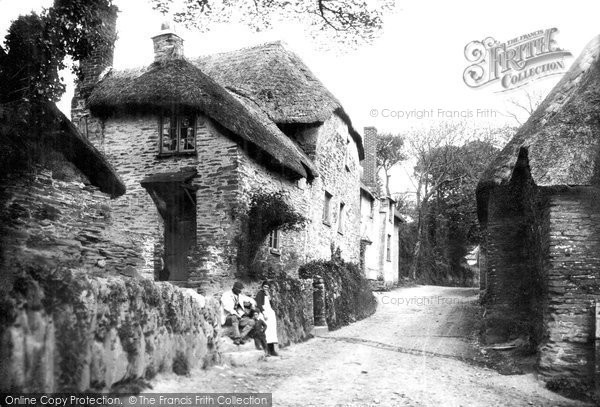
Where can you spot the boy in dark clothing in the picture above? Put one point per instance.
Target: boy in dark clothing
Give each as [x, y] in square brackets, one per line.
[260, 326]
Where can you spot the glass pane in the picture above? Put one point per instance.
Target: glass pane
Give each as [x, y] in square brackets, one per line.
[168, 143]
[189, 142]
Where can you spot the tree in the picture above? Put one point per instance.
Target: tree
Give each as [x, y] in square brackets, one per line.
[450, 158]
[35, 50]
[522, 107]
[389, 152]
[343, 20]
[37, 46]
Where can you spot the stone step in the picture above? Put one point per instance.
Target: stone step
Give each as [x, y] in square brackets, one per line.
[240, 355]
[320, 331]
[227, 345]
[243, 358]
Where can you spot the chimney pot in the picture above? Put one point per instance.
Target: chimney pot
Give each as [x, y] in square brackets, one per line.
[167, 44]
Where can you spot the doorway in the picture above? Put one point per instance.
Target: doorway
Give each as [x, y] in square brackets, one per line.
[175, 199]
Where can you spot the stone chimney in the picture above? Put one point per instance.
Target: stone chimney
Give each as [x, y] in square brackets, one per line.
[369, 164]
[92, 69]
[100, 59]
[167, 44]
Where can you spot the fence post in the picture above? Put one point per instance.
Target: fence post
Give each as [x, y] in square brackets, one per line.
[319, 301]
[597, 347]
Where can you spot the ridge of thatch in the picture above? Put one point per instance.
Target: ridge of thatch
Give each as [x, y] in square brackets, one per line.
[561, 139]
[178, 82]
[279, 82]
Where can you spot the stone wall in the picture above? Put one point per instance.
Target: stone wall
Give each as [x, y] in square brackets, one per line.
[74, 314]
[316, 240]
[339, 176]
[72, 332]
[64, 223]
[513, 292]
[348, 295]
[573, 285]
[292, 301]
[131, 143]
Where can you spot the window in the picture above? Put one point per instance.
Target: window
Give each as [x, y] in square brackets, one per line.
[177, 134]
[391, 214]
[388, 254]
[327, 209]
[275, 241]
[83, 126]
[371, 208]
[341, 218]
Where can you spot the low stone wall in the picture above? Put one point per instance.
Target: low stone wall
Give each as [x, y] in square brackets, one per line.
[72, 332]
[348, 295]
[293, 305]
[292, 301]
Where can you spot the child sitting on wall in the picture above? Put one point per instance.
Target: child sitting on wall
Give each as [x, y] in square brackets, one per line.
[260, 326]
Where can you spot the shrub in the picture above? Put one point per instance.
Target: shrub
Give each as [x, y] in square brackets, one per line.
[266, 212]
[348, 296]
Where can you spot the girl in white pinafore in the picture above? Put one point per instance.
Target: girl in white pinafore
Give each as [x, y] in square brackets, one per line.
[263, 302]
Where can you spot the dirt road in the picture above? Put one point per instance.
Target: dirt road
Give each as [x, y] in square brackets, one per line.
[418, 349]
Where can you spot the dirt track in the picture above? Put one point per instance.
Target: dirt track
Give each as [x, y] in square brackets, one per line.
[418, 349]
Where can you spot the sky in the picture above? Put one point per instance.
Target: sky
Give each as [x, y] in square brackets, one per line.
[416, 64]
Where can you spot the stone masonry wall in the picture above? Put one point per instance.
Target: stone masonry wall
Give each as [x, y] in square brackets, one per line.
[74, 315]
[75, 332]
[64, 223]
[573, 285]
[131, 143]
[340, 177]
[315, 241]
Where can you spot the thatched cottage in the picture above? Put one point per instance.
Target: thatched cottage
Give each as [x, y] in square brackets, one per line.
[193, 139]
[538, 204]
[379, 223]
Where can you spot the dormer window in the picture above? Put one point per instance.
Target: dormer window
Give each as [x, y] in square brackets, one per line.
[177, 134]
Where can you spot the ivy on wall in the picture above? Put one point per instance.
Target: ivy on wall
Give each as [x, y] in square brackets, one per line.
[266, 212]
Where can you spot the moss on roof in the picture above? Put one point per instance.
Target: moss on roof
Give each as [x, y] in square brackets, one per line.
[179, 83]
[562, 137]
[279, 83]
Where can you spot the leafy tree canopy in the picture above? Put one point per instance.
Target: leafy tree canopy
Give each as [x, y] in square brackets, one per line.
[37, 45]
[348, 21]
[389, 152]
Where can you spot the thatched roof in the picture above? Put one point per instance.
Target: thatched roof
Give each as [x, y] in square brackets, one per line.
[562, 137]
[84, 155]
[46, 130]
[279, 82]
[178, 82]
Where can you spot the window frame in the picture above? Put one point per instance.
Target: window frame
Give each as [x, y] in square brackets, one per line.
[178, 118]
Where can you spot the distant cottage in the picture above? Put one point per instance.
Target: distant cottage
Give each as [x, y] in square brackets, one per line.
[192, 139]
[380, 223]
[539, 205]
